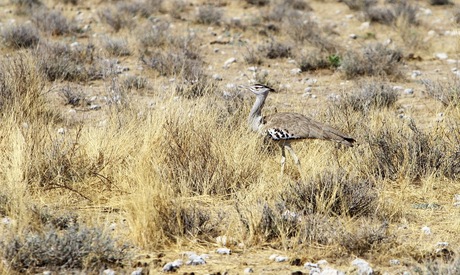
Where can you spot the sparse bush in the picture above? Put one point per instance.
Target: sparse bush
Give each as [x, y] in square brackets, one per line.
[21, 88]
[313, 60]
[276, 50]
[61, 61]
[135, 82]
[52, 22]
[332, 193]
[115, 19]
[75, 247]
[373, 60]
[407, 12]
[72, 96]
[456, 13]
[209, 15]
[154, 36]
[365, 237]
[177, 8]
[23, 36]
[252, 56]
[116, 46]
[359, 4]
[26, 6]
[142, 8]
[370, 96]
[382, 15]
[448, 92]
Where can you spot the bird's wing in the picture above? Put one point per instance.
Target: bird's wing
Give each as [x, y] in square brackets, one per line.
[288, 126]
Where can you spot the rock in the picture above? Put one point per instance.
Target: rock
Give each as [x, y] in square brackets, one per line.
[172, 266]
[109, 272]
[217, 77]
[442, 244]
[441, 56]
[224, 251]
[398, 88]
[229, 62]
[61, 131]
[363, 267]
[353, 36]
[296, 71]
[94, 107]
[457, 200]
[415, 74]
[196, 260]
[248, 270]
[426, 230]
[252, 69]
[281, 259]
[138, 271]
[395, 262]
[311, 81]
[272, 257]
[365, 25]
[409, 91]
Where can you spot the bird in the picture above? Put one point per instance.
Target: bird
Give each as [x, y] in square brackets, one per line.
[285, 128]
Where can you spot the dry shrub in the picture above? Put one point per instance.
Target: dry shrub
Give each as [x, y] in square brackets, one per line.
[116, 46]
[209, 15]
[447, 92]
[382, 15]
[303, 29]
[275, 50]
[258, 2]
[194, 159]
[332, 192]
[154, 36]
[313, 60]
[372, 60]
[359, 4]
[371, 95]
[59, 61]
[22, 36]
[365, 237]
[252, 56]
[26, 6]
[77, 247]
[22, 89]
[114, 18]
[51, 21]
[440, 2]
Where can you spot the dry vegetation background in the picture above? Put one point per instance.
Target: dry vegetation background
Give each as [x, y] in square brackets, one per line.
[123, 136]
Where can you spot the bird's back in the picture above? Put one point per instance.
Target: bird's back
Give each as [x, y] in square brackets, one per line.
[294, 126]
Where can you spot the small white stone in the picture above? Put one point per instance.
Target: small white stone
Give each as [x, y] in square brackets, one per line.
[311, 81]
[416, 73]
[442, 244]
[322, 263]
[395, 262]
[72, 111]
[281, 259]
[349, 16]
[216, 50]
[441, 56]
[109, 272]
[309, 265]
[353, 36]
[397, 88]
[252, 69]
[365, 26]
[229, 62]
[426, 230]
[431, 33]
[138, 271]
[94, 107]
[363, 267]
[409, 91]
[61, 131]
[224, 251]
[296, 71]
[248, 270]
[47, 272]
[313, 96]
[217, 77]
[272, 257]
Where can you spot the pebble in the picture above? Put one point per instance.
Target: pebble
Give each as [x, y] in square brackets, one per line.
[353, 36]
[365, 26]
[363, 267]
[224, 251]
[296, 71]
[172, 266]
[398, 88]
[248, 270]
[94, 107]
[61, 131]
[311, 81]
[416, 73]
[217, 77]
[426, 230]
[280, 259]
[457, 200]
[109, 272]
[229, 62]
[272, 257]
[409, 91]
[196, 260]
[441, 56]
[252, 69]
[138, 271]
[395, 262]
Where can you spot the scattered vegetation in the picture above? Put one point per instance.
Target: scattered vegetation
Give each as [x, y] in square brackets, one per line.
[20, 36]
[51, 21]
[447, 92]
[209, 15]
[372, 60]
[275, 50]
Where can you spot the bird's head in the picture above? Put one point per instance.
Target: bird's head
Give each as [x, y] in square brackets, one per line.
[258, 89]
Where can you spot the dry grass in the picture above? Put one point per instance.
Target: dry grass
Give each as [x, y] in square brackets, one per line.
[168, 164]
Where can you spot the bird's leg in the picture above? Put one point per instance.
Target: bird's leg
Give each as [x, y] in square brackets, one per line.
[294, 156]
[283, 158]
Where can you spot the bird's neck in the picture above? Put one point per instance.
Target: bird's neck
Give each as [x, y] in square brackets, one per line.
[255, 116]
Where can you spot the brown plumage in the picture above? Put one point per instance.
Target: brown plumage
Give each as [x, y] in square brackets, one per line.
[285, 128]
